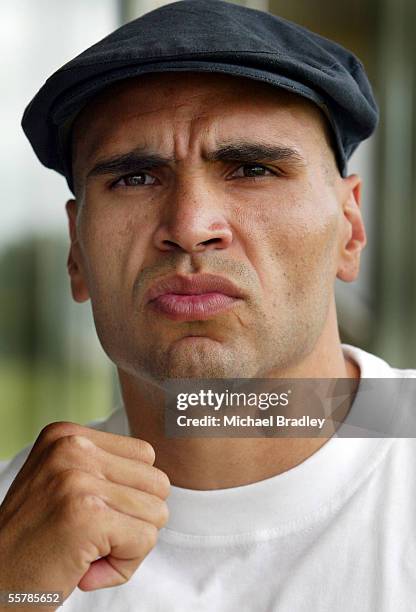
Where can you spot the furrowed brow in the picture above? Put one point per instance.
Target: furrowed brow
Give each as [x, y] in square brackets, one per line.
[248, 152]
[128, 162]
[244, 152]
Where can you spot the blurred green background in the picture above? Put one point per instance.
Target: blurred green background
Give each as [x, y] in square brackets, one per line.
[51, 364]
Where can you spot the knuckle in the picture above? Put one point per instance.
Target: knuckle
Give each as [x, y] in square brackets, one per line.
[149, 534]
[69, 446]
[78, 509]
[56, 430]
[92, 503]
[162, 514]
[78, 442]
[71, 481]
[146, 452]
[161, 483]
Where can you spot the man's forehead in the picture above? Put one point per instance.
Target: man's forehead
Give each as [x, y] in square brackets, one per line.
[214, 107]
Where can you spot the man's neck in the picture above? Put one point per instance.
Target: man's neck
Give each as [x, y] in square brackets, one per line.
[216, 463]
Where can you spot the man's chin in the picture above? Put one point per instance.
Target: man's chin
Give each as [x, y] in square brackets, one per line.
[196, 357]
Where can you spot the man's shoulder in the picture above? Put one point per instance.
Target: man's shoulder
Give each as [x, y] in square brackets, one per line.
[115, 423]
[373, 366]
[404, 373]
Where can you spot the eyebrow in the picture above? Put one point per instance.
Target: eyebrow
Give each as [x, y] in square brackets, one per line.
[240, 151]
[128, 162]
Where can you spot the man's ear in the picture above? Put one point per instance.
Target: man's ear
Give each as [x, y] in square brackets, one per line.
[76, 273]
[353, 236]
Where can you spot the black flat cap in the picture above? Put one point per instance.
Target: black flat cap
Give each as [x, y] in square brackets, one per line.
[207, 36]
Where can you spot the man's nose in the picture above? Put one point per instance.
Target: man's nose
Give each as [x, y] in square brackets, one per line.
[193, 220]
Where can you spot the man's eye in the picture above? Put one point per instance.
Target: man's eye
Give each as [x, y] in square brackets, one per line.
[135, 180]
[252, 171]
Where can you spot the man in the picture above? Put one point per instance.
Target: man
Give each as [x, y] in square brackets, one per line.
[206, 146]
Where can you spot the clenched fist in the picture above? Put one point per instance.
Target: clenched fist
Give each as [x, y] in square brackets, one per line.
[84, 510]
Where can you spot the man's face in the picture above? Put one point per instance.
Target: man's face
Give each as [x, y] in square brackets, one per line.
[187, 174]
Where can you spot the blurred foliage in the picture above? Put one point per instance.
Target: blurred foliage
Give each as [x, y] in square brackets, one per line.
[51, 365]
[34, 395]
[18, 330]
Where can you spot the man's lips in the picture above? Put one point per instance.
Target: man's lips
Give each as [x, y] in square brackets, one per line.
[187, 298]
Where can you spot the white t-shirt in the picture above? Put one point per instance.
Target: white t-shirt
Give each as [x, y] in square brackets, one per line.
[337, 533]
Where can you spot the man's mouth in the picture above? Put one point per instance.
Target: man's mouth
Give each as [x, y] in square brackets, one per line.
[188, 307]
[194, 297]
